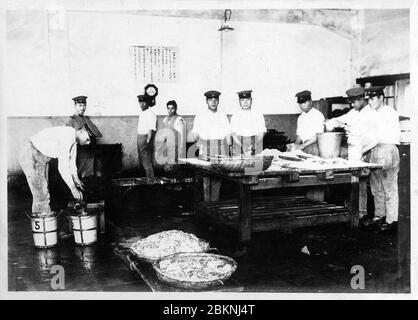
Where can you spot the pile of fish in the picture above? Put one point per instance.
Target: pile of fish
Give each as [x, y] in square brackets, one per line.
[165, 243]
[196, 267]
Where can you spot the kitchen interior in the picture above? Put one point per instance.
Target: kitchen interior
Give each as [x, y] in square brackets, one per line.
[54, 54]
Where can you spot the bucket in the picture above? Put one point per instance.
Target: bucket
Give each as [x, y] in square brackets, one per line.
[329, 144]
[44, 230]
[84, 229]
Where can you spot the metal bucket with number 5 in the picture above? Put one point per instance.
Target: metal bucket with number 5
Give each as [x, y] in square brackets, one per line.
[44, 229]
[84, 229]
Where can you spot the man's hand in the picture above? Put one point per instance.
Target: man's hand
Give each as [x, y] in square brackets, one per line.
[78, 183]
[299, 146]
[77, 194]
[347, 129]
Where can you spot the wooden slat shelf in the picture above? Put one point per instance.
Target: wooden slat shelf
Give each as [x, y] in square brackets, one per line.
[285, 214]
[270, 213]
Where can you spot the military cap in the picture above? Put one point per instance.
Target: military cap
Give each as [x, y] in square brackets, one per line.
[355, 93]
[80, 99]
[244, 94]
[142, 98]
[212, 94]
[375, 91]
[303, 96]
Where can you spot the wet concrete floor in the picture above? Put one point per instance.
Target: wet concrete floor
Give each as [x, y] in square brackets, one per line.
[272, 262]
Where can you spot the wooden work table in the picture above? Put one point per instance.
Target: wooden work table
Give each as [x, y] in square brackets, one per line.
[247, 214]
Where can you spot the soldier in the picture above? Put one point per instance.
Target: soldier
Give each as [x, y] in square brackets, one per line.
[211, 131]
[247, 126]
[310, 122]
[357, 123]
[85, 163]
[384, 182]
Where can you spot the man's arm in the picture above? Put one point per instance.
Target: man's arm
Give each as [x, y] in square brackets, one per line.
[73, 167]
[66, 164]
[149, 135]
[93, 128]
[260, 135]
[152, 126]
[70, 122]
[306, 143]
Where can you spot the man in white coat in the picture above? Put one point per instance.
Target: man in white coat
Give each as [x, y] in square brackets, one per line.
[247, 126]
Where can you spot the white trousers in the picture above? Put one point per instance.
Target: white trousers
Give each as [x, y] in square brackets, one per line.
[384, 182]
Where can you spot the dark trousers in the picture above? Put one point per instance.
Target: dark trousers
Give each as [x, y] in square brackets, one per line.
[145, 154]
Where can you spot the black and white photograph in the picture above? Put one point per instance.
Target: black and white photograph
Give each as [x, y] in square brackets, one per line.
[208, 148]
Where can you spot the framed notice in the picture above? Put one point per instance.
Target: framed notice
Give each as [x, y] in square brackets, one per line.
[154, 63]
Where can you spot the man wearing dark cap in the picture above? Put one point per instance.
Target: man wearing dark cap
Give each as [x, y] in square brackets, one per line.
[147, 124]
[310, 122]
[357, 122]
[247, 126]
[211, 128]
[78, 119]
[85, 158]
[384, 183]
[211, 131]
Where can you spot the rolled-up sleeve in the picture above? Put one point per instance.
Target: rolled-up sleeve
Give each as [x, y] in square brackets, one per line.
[67, 164]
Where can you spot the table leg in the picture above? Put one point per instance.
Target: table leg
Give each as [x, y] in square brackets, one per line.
[245, 212]
[358, 201]
[363, 198]
[102, 220]
[197, 193]
[206, 189]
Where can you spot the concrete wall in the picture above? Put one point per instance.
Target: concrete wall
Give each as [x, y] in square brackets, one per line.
[383, 43]
[88, 53]
[278, 60]
[120, 129]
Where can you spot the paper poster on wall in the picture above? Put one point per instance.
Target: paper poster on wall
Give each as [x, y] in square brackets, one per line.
[154, 63]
